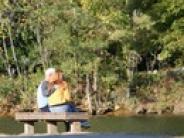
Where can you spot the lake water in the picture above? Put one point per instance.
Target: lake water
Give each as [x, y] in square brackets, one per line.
[144, 125]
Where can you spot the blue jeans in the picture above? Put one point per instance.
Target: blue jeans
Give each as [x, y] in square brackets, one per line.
[45, 109]
[60, 108]
[66, 108]
[72, 108]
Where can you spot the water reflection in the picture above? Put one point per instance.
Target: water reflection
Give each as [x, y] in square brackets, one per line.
[152, 125]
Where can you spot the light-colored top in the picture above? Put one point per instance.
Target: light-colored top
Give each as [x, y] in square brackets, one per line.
[42, 101]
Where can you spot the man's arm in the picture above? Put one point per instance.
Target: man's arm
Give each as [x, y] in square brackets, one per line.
[46, 91]
[45, 88]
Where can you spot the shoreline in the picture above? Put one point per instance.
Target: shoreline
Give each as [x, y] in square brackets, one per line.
[111, 114]
[140, 110]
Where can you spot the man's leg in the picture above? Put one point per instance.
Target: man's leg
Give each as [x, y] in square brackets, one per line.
[45, 109]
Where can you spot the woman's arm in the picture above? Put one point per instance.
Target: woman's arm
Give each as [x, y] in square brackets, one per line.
[67, 94]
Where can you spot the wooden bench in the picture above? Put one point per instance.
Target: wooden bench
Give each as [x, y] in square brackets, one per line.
[29, 118]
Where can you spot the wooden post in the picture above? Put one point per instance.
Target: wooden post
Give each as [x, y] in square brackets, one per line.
[75, 127]
[52, 127]
[28, 128]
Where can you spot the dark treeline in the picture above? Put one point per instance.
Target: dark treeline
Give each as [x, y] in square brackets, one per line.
[114, 53]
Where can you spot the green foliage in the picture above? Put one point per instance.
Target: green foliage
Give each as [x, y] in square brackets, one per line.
[19, 91]
[166, 91]
[143, 79]
[111, 41]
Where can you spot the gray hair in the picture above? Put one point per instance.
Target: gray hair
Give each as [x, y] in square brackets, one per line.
[50, 71]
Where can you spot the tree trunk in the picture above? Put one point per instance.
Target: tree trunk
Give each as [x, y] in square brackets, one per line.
[13, 50]
[88, 94]
[42, 52]
[6, 61]
[95, 80]
[94, 86]
[153, 62]
[129, 70]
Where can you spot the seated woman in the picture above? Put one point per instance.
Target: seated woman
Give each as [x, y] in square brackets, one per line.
[60, 99]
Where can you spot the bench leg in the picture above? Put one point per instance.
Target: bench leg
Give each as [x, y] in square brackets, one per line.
[28, 128]
[75, 127]
[67, 126]
[52, 127]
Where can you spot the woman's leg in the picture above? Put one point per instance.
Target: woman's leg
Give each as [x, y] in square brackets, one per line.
[60, 109]
[72, 108]
[84, 123]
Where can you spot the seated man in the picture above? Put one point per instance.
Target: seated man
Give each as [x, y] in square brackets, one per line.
[44, 90]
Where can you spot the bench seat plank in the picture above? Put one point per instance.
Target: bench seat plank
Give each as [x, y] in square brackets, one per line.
[31, 116]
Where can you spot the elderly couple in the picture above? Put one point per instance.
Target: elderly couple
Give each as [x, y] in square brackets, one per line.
[53, 94]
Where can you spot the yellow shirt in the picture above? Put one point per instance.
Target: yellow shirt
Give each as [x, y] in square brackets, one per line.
[60, 96]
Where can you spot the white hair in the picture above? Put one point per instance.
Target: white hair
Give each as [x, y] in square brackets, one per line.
[50, 71]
